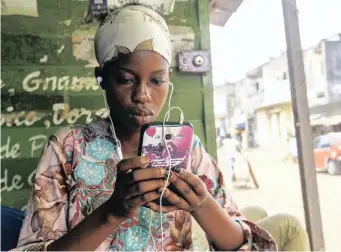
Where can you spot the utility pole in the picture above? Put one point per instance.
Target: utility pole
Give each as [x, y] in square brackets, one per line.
[302, 126]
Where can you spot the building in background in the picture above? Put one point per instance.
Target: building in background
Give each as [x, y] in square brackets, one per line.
[224, 106]
[326, 116]
[263, 97]
[273, 113]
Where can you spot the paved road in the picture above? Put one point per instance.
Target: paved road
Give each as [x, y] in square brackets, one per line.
[280, 192]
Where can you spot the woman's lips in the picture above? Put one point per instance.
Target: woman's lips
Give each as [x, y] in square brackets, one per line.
[142, 116]
[142, 119]
[142, 112]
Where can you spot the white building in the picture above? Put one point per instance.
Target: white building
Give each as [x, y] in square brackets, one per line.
[264, 96]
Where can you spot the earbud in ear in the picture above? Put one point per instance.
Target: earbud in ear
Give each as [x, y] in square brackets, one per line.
[99, 80]
[99, 77]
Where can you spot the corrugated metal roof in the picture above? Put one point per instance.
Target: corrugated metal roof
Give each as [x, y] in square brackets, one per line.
[222, 10]
[328, 114]
[327, 121]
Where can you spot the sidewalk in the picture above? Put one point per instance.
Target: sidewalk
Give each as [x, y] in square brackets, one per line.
[280, 191]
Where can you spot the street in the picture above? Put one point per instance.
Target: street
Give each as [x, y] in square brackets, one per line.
[280, 191]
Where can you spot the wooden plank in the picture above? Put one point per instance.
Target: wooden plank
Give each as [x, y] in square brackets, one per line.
[302, 126]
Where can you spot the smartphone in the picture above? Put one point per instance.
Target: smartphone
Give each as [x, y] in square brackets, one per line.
[179, 139]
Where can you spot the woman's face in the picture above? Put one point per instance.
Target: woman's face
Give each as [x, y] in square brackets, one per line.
[136, 87]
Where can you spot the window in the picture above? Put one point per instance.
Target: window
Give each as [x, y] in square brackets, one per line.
[325, 142]
[284, 76]
[316, 142]
[336, 137]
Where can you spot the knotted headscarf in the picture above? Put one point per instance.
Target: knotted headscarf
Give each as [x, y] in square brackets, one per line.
[132, 28]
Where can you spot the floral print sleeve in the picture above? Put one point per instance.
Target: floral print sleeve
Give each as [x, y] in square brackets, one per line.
[46, 216]
[207, 169]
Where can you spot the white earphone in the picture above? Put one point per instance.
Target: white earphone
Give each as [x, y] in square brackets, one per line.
[170, 161]
[99, 80]
[119, 152]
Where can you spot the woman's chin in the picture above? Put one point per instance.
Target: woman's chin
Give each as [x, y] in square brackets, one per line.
[142, 120]
[135, 123]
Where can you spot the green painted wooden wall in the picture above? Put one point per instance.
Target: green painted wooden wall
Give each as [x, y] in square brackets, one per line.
[47, 81]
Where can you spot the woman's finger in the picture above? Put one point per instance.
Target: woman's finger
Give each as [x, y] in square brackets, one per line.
[142, 199]
[147, 173]
[184, 189]
[143, 187]
[192, 180]
[132, 163]
[175, 199]
[165, 209]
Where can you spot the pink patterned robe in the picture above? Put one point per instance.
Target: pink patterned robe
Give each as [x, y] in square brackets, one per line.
[77, 173]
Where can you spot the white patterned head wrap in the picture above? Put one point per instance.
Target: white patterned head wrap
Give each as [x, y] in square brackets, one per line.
[132, 28]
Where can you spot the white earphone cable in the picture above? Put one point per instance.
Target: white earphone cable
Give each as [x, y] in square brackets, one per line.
[170, 99]
[99, 81]
[170, 161]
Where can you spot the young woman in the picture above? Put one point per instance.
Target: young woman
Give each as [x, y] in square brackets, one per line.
[93, 193]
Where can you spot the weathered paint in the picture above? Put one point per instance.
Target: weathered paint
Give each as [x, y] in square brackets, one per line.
[47, 81]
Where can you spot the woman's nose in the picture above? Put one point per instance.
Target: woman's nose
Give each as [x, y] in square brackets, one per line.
[142, 93]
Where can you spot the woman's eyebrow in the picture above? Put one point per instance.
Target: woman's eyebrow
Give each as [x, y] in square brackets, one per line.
[128, 70]
[162, 70]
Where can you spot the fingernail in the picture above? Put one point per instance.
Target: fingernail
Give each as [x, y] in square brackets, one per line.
[170, 174]
[145, 159]
[177, 169]
[161, 190]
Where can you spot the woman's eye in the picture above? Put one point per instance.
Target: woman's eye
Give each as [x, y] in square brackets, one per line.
[123, 80]
[157, 81]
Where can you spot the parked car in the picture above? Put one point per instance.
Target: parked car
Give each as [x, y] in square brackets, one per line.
[327, 153]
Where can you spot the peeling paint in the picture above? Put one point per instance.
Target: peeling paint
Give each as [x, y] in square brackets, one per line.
[182, 38]
[66, 22]
[2, 84]
[19, 7]
[60, 49]
[11, 91]
[165, 7]
[83, 44]
[44, 59]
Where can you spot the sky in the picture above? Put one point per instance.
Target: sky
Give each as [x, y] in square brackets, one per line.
[255, 32]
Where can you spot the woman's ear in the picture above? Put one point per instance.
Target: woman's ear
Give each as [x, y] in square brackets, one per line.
[99, 74]
[170, 73]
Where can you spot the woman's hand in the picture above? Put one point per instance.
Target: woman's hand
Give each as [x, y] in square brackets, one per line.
[194, 198]
[193, 192]
[135, 186]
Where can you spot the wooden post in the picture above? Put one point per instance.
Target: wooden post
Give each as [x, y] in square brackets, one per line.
[302, 126]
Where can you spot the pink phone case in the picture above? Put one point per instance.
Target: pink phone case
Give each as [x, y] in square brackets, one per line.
[153, 146]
